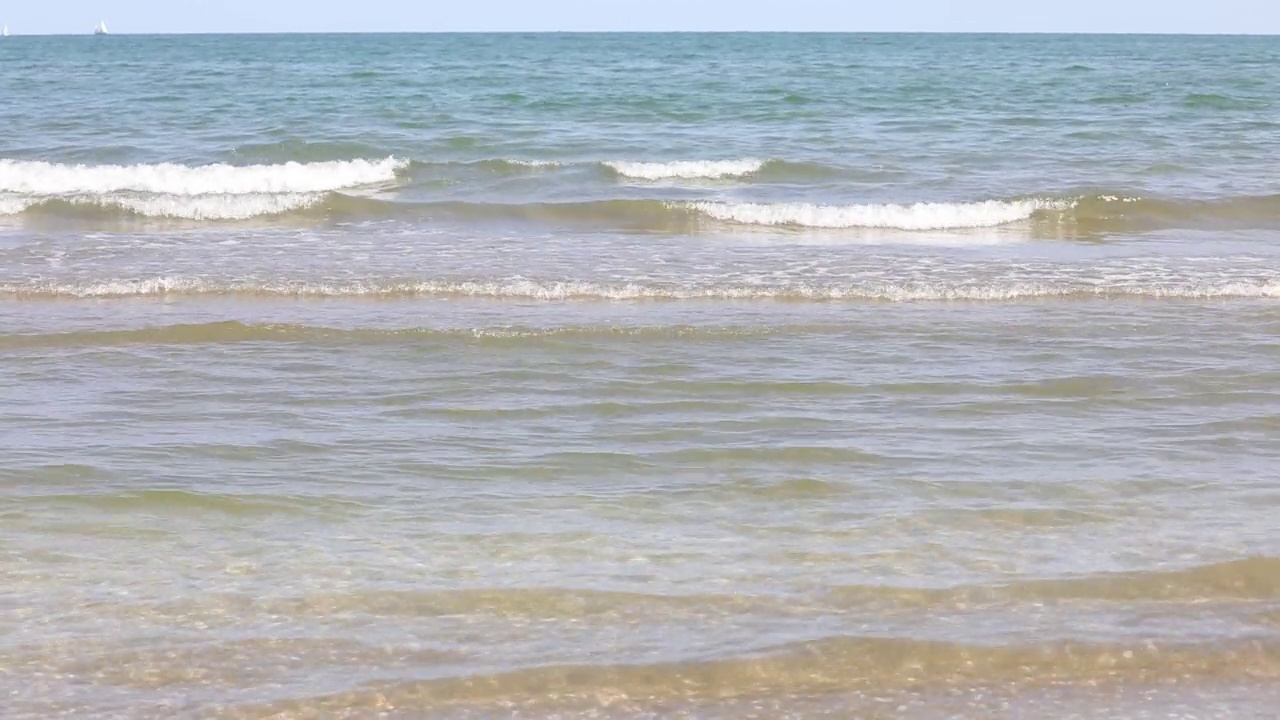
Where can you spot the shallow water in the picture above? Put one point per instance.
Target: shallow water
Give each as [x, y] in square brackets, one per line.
[638, 382]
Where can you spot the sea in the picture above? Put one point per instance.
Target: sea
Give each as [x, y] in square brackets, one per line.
[640, 376]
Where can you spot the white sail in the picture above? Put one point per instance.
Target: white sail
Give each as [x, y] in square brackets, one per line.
[4, 32]
[101, 29]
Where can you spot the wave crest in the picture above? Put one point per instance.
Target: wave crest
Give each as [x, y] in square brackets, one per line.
[43, 179]
[173, 207]
[211, 207]
[920, 216]
[12, 205]
[686, 169]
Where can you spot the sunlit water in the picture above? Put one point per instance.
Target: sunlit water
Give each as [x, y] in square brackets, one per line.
[645, 376]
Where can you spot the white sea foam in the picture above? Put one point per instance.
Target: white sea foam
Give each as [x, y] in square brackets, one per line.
[14, 204]
[42, 179]
[515, 288]
[686, 170]
[188, 207]
[920, 216]
[208, 207]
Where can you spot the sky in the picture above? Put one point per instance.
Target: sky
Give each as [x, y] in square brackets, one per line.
[184, 16]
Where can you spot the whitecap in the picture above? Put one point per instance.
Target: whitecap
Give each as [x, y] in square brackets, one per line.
[919, 216]
[43, 179]
[686, 169]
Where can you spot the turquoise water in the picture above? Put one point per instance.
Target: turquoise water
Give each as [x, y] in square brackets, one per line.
[876, 117]
[639, 376]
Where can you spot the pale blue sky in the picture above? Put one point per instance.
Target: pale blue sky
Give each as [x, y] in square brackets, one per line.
[151, 16]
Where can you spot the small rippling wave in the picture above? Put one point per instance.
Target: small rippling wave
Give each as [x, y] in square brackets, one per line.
[826, 665]
[231, 331]
[1174, 286]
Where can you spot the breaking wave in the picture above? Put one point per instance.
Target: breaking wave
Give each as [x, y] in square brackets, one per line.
[210, 207]
[209, 192]
[321, 190]
[631, 214]
[42, 179]
[12, 205]
[920, 216]
[686, 170]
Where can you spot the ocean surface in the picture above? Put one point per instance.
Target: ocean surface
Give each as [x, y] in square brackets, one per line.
[640, 376]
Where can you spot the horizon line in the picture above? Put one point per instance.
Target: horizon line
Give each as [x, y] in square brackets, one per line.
[1113, 33]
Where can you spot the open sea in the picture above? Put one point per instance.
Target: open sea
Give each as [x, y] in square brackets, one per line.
[640, 376]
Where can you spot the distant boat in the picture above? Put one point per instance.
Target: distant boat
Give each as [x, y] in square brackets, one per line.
[101, 29]
[4, 32]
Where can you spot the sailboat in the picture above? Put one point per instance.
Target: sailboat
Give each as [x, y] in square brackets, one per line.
[4, 31]
[101, 29]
